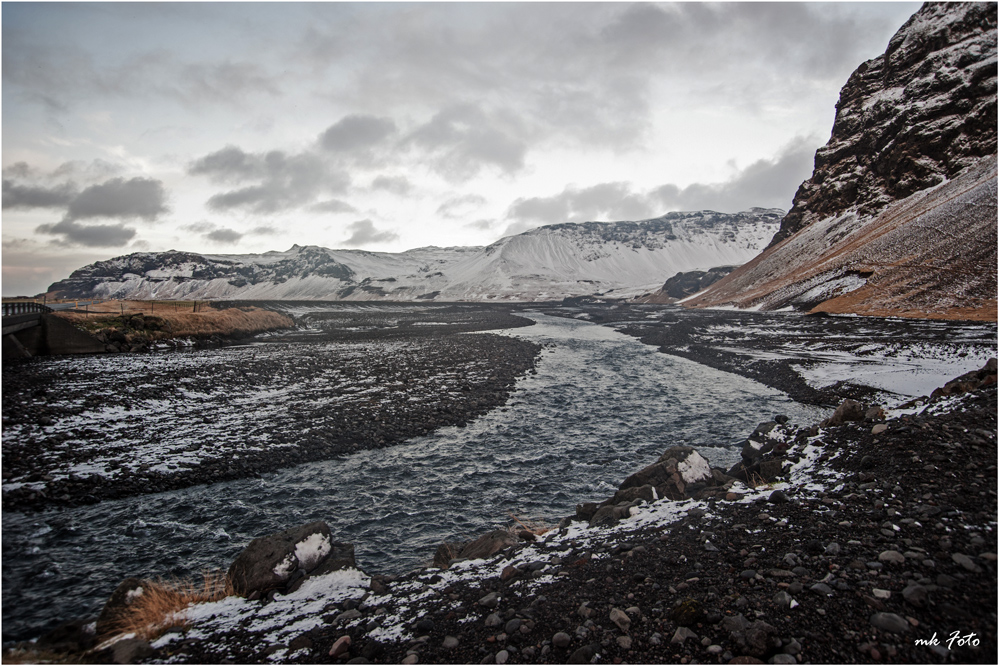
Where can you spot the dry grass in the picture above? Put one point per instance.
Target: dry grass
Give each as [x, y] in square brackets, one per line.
[160, 605]
[231, 322]
[535, 526]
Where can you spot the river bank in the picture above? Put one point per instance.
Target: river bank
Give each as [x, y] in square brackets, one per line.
[879, 545]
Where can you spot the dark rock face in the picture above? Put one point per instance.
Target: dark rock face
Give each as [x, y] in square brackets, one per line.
[686, 284]
[909, 119]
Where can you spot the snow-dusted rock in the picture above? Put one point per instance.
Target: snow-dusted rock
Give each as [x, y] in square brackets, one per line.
[488, 544]
[268, 562]
[117, 605]
[671, 476]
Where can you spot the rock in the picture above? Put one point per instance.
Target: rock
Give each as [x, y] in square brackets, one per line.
[621, 619]
[117, 605]
[771, 470]
[446, 552]
[425, 626]
[410, 659]
[646, 493]
[341, 556]
[624, 642]
[891, 557]
[833, 549]
[821, 588]
[849, 410]
[491, 600]
[744, 659]
[586, 510]
[783, 659]
[268, 562]
[890, 622]
[488, 545]
[303, 642]
[582, 655]
[561, 640]
[131, 650]
[878, 429]
[512, 626]
[916, 595]
[783, 600]
[493, 620]
[502, 656]
[965, 561]
[682, 634]
[677, 468]
[778, 497]
[340, 647]
[760, 638]
[604, 517]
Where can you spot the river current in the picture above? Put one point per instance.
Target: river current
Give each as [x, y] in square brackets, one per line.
[601, 406]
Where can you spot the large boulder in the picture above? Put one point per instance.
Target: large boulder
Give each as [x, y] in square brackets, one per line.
[849, 410]
[268, 562]
[676, 470]
[488, 544]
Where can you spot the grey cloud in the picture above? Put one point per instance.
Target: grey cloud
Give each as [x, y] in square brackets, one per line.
[766, 183]
[223, 235]
[456, 207]
[225, 82]
[137, 197]
[332, 206]
[202, 227]
[89, 235]
[363, 232]
[462, 139]
[29, 196]
[284, 181]
[603, 202]
[482, 225]
[356, 133]
[398, 185]
[263, 230]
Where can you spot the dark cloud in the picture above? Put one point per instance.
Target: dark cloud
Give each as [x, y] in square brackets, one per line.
[481, 225]
[332, 206]
[29, 196]
[356, 133]
[462, 139]
[398, 185]
[457, 207]
[223, 82]
[143, 198]
[223, 235]
[89, 235]
[283, 181]
[363, 232]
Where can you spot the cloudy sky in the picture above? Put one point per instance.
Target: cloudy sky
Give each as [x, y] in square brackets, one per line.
[247, 127]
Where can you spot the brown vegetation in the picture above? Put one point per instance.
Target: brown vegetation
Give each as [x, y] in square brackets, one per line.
[148, 321]
[161, 602]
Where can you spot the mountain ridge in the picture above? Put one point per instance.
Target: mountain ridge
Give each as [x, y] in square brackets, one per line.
[546, 263]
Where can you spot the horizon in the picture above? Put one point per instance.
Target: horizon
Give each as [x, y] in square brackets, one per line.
[239, 127]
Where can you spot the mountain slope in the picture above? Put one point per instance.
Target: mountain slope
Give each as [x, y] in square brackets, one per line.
[899, 215]
[617, 259]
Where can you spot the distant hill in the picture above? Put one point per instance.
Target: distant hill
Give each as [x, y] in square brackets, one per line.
[612, 259]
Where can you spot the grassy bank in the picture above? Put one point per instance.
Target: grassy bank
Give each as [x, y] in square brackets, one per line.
[138, 322]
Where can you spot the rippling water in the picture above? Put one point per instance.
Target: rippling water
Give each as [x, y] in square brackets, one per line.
[601, 406]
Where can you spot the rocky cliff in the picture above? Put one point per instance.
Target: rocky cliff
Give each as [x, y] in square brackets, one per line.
[898, 217]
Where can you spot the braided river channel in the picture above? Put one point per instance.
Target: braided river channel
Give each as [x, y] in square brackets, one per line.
[600, 406]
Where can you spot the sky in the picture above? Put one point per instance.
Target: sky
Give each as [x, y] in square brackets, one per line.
[235, 128]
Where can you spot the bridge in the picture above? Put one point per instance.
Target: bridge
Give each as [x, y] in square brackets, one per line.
[30, 329]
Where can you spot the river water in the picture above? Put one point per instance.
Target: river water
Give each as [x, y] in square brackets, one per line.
[601, 406]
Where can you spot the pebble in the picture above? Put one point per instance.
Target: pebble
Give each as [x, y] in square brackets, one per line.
[621, 619]
[890, 622]
[682, 634]
[340, 647]
[714, 649]
[502, 656]
[450, 642]
[881, 594]
[624, 642]
[891, 557]
[425, 626]
[782, 599]
[410, 659]
[783, 659]
[821, 588]
[561, 640]
[491, 600]
[915, 595]
[493, 620]
[965, 561]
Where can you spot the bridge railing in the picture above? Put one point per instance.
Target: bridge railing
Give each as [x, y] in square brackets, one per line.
[24, 307]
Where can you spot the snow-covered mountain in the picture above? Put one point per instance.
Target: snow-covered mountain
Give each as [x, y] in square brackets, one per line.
[614, 259]
[899, 216]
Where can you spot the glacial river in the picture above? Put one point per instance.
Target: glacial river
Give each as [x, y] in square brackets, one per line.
[601, 406]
